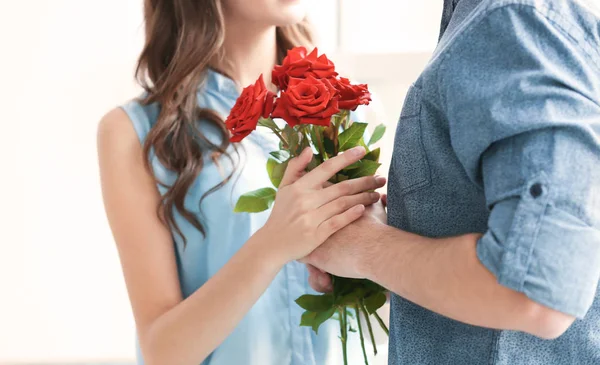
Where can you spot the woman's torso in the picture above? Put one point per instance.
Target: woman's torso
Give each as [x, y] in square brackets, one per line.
[270, 332]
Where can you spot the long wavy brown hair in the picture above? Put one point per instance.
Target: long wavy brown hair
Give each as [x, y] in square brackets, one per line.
[183, 37]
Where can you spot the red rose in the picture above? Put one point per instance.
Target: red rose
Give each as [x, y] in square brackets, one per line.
[254, 102]
[351, 96]
[298, 65]
[307, 101]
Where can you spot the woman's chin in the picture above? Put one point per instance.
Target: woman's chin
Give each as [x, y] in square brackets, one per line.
[271, 12]
[291, 12]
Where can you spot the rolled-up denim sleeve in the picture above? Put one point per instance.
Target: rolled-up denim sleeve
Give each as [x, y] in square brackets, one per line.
[524, 121]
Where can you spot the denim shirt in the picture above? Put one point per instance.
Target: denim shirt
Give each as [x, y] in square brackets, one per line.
[500, 135]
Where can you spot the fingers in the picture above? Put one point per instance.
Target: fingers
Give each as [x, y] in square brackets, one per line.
[343, 204]
[349, 187]
[318, 280]
[337, 222]
[384, 200]
[296, 167]
[329, 168]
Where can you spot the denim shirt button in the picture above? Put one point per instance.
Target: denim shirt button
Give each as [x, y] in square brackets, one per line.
[536, 190]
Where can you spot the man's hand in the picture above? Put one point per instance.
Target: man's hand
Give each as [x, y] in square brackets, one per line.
[342, 253]
[319, 280]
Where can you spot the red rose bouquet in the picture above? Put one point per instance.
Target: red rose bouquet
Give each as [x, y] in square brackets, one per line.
[315, 103]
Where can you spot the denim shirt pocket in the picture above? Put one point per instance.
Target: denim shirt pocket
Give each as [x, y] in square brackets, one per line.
[410, 168]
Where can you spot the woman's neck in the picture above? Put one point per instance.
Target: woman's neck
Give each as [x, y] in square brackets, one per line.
[249, 52]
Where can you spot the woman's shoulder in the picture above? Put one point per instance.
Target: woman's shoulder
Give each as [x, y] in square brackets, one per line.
[141, 116]
[134, 119]
[116, 134]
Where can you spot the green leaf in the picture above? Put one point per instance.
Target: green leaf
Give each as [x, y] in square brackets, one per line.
[375, 302]
[307, 319]
[316, 161]
[329, 146]
[315, 131]
[351, 298]
[353, 166]
[291, 136]
[267, 122]
[367, 168]
[377, 134]
[372, 286]
[338, 178]
[316, 303]
[351, 136]
[276, 171]
[362, 143]
[352, 329]
[281, 156]
[341, 177]
[342, 286]
[373, 155]
[255, 201]
[316, 136]
[320, 318]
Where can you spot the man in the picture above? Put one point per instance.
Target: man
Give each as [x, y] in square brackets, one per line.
[493, 243]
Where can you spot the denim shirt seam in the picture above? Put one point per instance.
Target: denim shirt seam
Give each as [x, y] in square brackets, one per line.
[466, 31]
[494, 354]
[579, 37]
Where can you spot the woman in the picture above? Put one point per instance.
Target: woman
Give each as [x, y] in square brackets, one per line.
[208, 285]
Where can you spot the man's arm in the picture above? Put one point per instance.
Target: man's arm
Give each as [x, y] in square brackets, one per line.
[442, 275]
[446, 277]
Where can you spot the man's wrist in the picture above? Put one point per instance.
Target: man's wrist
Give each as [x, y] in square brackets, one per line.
[369, 256]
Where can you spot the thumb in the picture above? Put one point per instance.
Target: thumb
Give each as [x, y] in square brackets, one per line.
[296, 167]
[384, 200]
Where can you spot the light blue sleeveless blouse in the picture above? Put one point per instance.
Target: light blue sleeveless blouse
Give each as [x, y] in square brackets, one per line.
[269, 334]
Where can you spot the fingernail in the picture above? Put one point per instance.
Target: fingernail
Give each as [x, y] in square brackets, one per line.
[374, 196]
[380, 179]
[358, 151]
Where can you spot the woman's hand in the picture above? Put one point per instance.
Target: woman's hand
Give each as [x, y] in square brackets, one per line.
[305, 214]
[318, 279]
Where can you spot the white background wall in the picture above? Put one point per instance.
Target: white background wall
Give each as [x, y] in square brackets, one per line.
[67, 63]
[63, 64]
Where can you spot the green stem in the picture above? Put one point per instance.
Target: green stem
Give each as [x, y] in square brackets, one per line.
[346, 119]
[319, 142]
[360, 331]
[278, 134]
[383, 326]
[305, 135]
[344, 333]
[337, 121]
[362, 306]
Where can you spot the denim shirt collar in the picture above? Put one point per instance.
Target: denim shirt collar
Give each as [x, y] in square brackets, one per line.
[447, 12]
